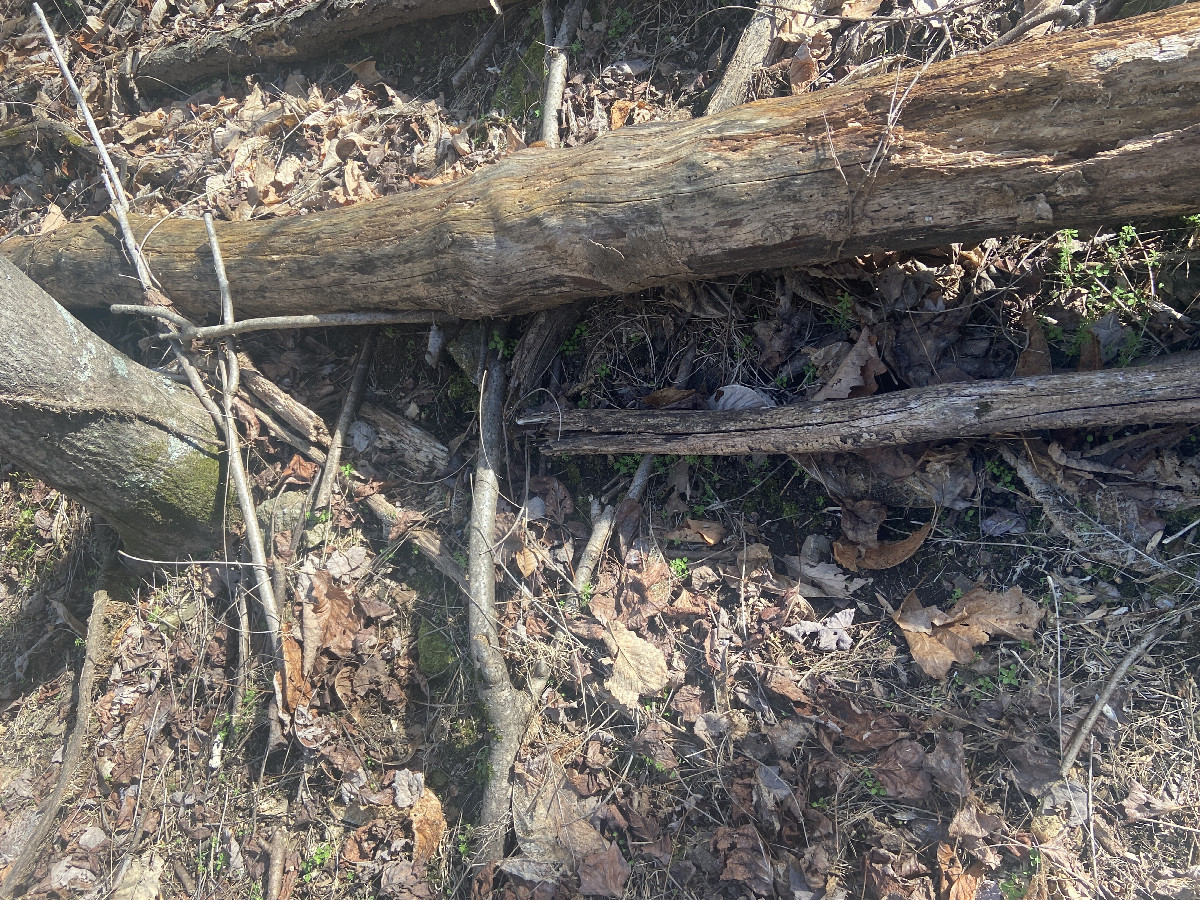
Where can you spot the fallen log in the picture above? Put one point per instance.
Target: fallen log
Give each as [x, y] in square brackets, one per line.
[1167, 390]
[302, 32]
[1074, 130]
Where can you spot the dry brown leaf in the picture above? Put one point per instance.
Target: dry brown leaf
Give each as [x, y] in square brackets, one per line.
[604, 874]
[619, 114]
[939, 639]
[855, 376]
[297, 690]
[527, 562]
[550, 822]
[327, 617]
[902, 772]
[883, 555]
[669, 398]
[428, 824]
[638, 666]
[1034, 359]
[698, 531]
[53, 220]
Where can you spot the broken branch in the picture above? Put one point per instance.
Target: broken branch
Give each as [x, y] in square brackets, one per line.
[1167, 390]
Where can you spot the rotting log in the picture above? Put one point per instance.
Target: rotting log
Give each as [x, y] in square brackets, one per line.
[133, 445]
[303, 31]
[1075, 130]
[1167, 390]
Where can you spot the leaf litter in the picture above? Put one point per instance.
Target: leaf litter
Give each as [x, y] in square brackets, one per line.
[752, 701]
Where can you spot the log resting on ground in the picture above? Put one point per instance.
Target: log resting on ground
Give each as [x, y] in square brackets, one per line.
[1083, 128]
[303, 31]
[1167, 390]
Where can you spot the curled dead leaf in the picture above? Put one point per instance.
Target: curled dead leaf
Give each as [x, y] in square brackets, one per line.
[883, 555]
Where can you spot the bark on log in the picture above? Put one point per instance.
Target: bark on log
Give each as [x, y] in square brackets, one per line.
[1075, 130]
[129, 443]
[1164, 391]
[307, 30]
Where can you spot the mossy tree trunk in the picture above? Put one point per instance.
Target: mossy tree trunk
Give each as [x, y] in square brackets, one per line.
[83, 417]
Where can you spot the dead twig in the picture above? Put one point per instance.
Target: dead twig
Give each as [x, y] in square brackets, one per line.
[237, 471]
[508, 710]
[353, 396]
[602, 529]
[189, 332]
[556, 71]
[489, 40]
[94, 649]
[1085, 727]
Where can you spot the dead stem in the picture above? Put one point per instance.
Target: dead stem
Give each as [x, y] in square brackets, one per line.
[508, 710]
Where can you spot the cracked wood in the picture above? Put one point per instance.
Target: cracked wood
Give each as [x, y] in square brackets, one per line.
[1167, 390]
[1086, 127]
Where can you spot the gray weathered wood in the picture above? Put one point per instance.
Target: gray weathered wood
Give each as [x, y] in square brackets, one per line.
[1167, 390]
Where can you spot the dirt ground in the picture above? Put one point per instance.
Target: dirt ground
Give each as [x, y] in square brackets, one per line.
[794, 677]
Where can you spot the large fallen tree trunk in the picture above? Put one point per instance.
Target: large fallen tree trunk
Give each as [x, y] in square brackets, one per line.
[306, 30]
[1165, 391]
[130, 443]
[1083, 128]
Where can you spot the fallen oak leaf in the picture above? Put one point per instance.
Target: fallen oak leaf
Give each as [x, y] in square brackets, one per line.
[831, 631]
[855, 376]
[698, 531]
[939, 639]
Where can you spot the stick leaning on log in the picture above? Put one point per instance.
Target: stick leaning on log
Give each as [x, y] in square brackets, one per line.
[1167, 390]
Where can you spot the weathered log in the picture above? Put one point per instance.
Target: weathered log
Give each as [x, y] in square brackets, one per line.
[1075, 130]
[131, 444]
[1167, 390]
[308, 29]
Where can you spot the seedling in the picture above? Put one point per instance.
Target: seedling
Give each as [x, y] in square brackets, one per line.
[679, 568]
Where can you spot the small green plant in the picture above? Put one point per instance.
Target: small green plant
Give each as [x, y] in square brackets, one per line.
[843, 312]
[347, 470]
[505, 347]
[1001, 474]
[464, 842]
[821, 803]
[586, 590]
[317, 858]
[1008, 676]
[622, 21]
[627, 464]
[603, 370]
[956, 595]
[679, 568]
[576, 340]
[872, 785]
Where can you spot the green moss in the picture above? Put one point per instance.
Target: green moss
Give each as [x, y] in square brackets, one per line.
[435, 655]
[183, 503]
[520, 86]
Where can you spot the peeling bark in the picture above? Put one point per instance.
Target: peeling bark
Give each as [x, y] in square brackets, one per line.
[129, 443]
[1075, 130]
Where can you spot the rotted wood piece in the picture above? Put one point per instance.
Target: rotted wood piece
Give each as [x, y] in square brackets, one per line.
[1079, 129]
[301, 31]
[1167, 390]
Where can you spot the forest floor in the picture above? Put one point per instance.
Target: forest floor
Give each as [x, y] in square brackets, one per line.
[795, 677]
